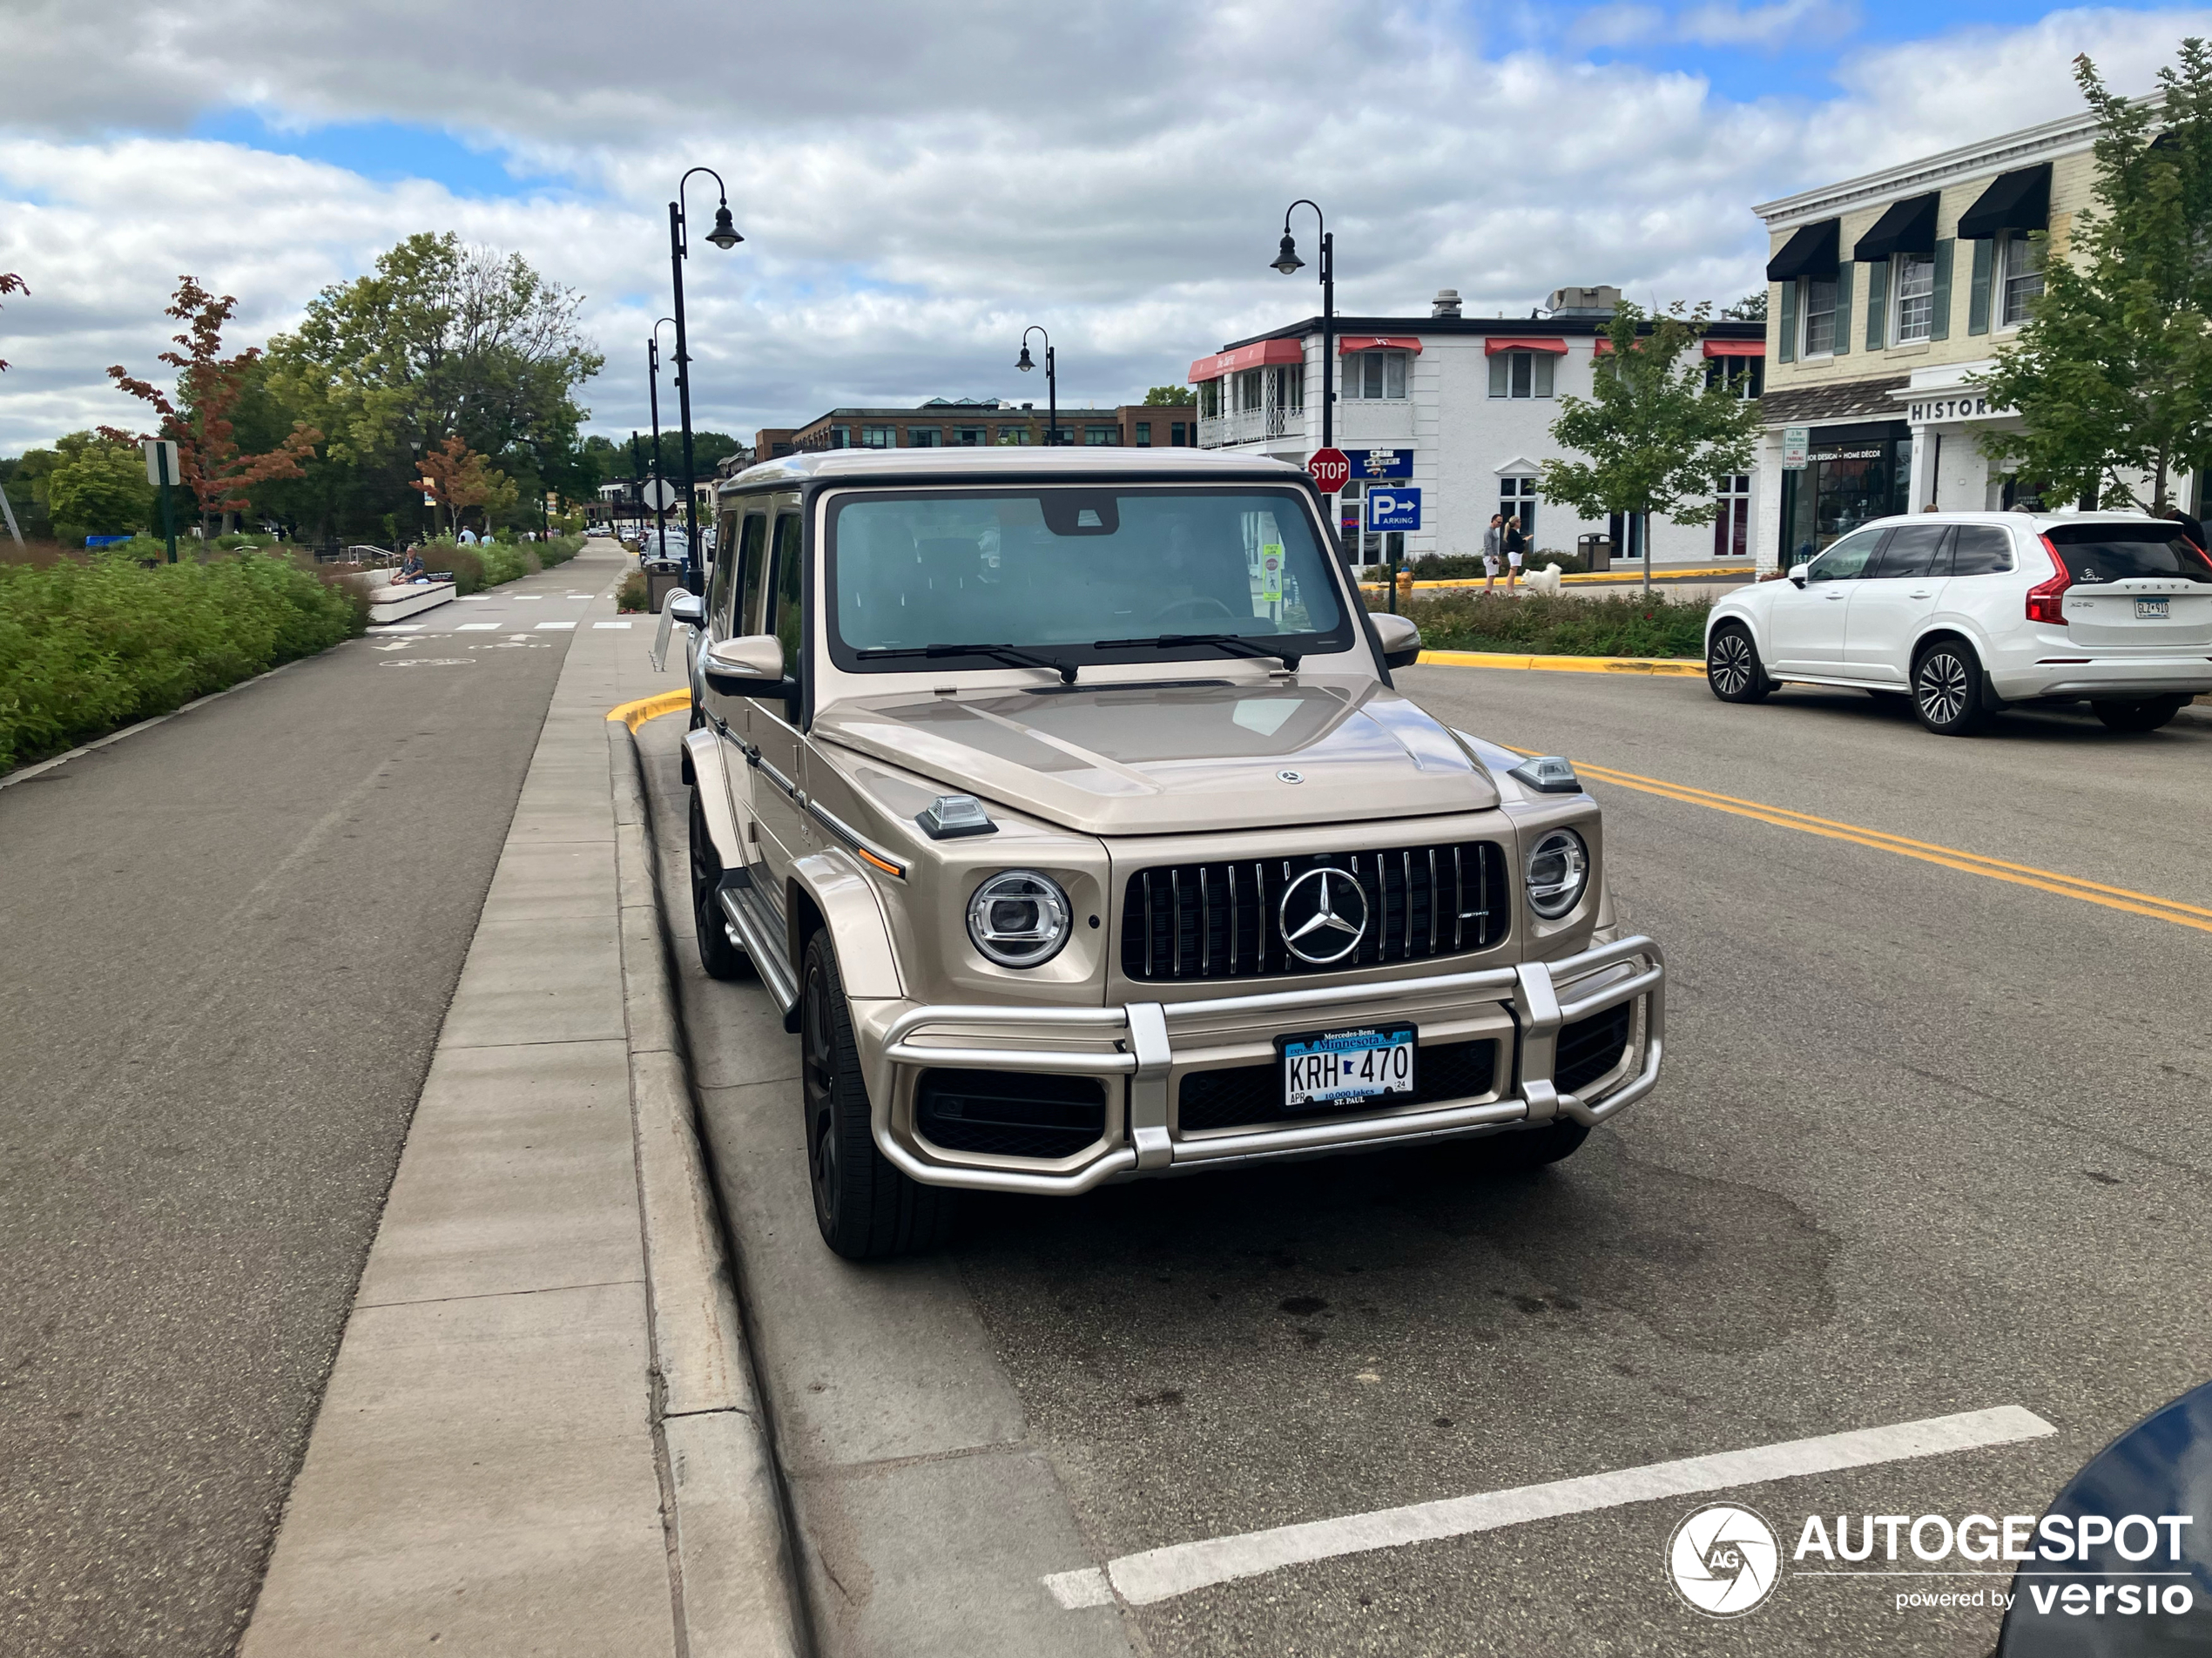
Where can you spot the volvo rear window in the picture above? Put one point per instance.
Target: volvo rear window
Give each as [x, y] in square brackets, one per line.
[2099, 553]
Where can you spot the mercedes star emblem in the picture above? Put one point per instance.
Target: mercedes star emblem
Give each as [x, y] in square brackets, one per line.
[1324, 916]
[1291, 777]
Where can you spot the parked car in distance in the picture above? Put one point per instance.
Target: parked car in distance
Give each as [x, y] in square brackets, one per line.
[1969, 613]
[1061, 802]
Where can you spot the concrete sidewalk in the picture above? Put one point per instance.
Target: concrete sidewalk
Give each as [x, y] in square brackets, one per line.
[541, 1434]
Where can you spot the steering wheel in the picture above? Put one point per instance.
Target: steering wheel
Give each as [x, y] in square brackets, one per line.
[1191, 604]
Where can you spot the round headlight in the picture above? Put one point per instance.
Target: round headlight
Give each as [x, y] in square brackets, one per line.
[1019, 918]
[1558, 870]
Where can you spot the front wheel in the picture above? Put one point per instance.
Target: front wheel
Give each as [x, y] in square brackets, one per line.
[866, 1208]
[1946, 689]
[720, 957]
[1732, 667]
[2148, 715]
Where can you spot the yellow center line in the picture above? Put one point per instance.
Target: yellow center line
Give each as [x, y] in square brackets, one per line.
[2047, 880]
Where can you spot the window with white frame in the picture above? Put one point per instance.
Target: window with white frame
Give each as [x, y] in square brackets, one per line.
[1517, 499]
[1741, 377]
[1374, 373]
[1817, 305]
[1912, 298]
[2020, 269]
[1521, 374]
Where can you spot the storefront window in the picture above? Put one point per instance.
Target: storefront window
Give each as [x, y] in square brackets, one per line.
[1913, 282]
[1853, 475]
[1820, 318]
[2021, 260]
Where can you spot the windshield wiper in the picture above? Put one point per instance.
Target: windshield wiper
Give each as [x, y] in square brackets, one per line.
[999, 653]
[1225, 640]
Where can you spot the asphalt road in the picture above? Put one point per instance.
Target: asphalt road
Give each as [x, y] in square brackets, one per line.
[231, 940]
[1928, 1143]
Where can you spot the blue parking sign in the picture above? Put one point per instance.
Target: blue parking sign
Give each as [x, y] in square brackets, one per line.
[1394, 506]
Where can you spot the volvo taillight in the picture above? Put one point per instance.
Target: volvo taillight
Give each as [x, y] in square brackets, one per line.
[2046, 599]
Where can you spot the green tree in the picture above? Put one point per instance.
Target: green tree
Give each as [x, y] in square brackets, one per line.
[101, 489]
[2112, 373]
[1751, 308]
[10, 283]
[1160, 395]
[1659, 438]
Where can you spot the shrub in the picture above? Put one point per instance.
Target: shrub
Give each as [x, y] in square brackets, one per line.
[89, 644]
[1436, 567]
[1613, 624]
[632, 595]
[557, 551]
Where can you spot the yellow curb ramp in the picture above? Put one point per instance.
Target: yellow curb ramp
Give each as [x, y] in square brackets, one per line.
[636, 714]
[1686, 667]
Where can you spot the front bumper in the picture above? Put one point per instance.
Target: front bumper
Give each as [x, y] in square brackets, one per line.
[1141, 1052]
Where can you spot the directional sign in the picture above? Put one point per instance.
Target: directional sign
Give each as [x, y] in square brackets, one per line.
[1380, 463]
[1330, 469]
[1393, 508]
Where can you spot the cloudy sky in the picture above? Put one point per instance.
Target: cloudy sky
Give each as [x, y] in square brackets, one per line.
[917, 183]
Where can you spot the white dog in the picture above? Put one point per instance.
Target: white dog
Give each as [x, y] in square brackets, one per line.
[1545, 581]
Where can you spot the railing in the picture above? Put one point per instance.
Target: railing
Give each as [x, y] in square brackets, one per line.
[1248, 425]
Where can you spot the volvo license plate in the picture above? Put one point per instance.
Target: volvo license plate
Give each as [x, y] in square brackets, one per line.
[2150, 609]
[1326, 1068]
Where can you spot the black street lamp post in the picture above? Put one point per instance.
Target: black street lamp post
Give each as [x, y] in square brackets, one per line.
[1051, 382]
[652, 375]
[725, 236]
[1287, 261]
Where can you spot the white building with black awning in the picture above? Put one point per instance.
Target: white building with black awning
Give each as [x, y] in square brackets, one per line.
[1888, 294]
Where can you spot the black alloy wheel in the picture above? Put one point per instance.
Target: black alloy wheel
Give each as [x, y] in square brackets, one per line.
[720, 957]
[1732, 667]
[1946, 689]
[2146, 715]
[866, 1210]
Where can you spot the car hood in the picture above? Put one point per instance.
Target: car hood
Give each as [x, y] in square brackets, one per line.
[1177, 758]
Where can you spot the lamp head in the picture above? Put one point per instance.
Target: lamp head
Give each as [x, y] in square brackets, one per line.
[1022, 362]
[724, 234]
[1287, 260]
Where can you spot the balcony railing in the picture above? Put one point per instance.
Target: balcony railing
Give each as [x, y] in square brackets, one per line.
[1248, 425]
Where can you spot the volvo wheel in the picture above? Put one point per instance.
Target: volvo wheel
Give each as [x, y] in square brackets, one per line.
[2147, 715]
[1946, 689]
[1733, 668]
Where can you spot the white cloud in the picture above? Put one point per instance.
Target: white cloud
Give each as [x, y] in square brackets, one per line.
[1784, 22]
[916, 185]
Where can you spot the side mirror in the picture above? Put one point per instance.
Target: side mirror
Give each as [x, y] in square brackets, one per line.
[1401, 640]
[752, 666]
[1800, 573]
[688, 609]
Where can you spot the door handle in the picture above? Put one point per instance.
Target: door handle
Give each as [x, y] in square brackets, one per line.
[1921, 593]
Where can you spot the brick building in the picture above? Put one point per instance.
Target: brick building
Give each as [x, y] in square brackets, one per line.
[968, 422]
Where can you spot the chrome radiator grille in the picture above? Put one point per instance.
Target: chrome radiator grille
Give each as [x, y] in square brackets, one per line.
[1197, 921]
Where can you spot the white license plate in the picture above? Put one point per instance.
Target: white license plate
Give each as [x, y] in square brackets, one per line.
[1345, 1067]
[2150, 609]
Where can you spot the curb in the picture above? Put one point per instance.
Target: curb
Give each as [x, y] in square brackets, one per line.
[729, 1542]
[1659, 575]
[1683, 667]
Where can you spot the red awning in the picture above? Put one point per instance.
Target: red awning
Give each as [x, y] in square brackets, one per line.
[1736, 347]
[1351, 342]
[1255, 355]
[1496, 344]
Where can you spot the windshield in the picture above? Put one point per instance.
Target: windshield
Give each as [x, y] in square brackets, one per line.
[1083, 574]
[2095, 554]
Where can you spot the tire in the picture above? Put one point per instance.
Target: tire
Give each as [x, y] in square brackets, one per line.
[1524, 1148]
[866, 1210]
[2147, 715]
[717, 955]
[1733, 668]
[1946, 689]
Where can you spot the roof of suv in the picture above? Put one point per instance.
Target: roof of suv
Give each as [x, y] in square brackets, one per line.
[1005, 460]
[2037, 522]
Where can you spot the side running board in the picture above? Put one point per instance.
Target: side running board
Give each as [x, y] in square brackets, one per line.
[759, 930]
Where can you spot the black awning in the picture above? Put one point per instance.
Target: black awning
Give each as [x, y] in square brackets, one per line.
[1812, 252]
[2014, 201]
[1908, 227]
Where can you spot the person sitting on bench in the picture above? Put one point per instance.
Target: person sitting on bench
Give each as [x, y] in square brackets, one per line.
[414, 570]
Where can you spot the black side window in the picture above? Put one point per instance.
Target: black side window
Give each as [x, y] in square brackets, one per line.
[1981, 549]
[753, 549]
[1915, 550]
[786, 588]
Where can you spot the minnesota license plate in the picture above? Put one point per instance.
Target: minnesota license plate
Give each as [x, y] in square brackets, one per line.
[2149, 609]
[1326, 1068]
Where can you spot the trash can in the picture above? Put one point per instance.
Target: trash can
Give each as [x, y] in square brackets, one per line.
[661, 580]
[1595, 551]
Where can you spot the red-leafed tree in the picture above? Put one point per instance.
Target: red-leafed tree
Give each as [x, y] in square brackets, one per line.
[10, 283]
[198, 420]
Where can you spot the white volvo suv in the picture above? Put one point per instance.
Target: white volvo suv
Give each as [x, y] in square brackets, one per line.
[1969, 613]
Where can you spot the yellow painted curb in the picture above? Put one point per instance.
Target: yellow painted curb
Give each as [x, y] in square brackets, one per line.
[1685, 666]
[636, 714]
[1631, 573]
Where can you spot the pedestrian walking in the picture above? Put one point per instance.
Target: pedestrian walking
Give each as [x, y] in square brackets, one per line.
[1516, 550]
[1493, 547]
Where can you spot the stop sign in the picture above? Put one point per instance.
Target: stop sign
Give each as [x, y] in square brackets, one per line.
[1330, 470]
